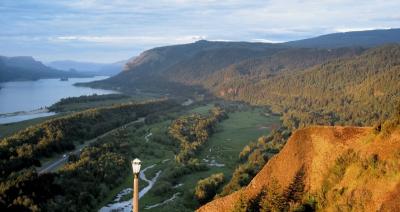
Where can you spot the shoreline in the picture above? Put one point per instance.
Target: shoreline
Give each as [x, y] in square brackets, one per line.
[19, 113]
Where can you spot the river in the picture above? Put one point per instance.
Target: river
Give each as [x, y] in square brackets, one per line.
[126, 206]
[25, 100]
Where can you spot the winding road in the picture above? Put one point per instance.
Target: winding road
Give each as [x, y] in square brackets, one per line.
[61, 160]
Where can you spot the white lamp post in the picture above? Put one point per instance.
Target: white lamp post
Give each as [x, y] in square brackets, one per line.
[136, 169]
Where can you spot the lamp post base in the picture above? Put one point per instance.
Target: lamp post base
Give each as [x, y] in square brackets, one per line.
[135, 207]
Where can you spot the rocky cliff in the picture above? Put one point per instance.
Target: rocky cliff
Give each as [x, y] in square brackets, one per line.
[344, 169]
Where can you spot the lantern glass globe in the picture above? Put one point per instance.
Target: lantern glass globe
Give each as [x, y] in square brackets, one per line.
[136, 166]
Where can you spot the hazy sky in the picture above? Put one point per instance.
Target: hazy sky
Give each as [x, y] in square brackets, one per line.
[112, 30]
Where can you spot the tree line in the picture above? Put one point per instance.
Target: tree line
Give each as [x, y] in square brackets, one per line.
[64, 102]
[253, 157]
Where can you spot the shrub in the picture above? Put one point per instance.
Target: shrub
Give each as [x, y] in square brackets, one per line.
[161, 188]
[207, 188]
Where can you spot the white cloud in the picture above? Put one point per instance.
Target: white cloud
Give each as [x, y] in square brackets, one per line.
[350, 29]
[126, 26]
[262, 40]
[143, 40]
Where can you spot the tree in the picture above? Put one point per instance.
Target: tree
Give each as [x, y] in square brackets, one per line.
[207, 188]
[273, 200]
[294, 192]
[241, 205]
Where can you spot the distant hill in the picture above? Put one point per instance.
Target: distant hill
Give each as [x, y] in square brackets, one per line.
[107, 69]
[369, 38]
[78, 66]
[159, 59]
[332, 168]
[329, 86]
[27, 68]
[150, 70]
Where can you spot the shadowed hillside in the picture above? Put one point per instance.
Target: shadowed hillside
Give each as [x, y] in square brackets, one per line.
[158, 69]
[27, 68]
[307, 86]
[341, 91]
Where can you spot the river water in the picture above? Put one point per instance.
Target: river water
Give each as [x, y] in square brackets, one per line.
[126, 206]
[24, 100]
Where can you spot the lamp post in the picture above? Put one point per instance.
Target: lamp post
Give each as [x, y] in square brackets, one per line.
[136, 169]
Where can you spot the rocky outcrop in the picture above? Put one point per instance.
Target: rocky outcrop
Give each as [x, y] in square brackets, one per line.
[370, 180]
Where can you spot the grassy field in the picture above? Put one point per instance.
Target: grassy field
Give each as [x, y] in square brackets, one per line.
[225, 145]
[201, 109]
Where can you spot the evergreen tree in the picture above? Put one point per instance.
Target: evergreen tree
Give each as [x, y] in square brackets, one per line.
[241, 205]
[294, 192]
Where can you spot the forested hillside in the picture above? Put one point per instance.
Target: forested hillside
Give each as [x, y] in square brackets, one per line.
[88, 176]
[341, 91]
[307, 85]
[149, 70]
[25, 148]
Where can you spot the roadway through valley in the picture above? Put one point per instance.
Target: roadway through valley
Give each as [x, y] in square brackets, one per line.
[61, 160]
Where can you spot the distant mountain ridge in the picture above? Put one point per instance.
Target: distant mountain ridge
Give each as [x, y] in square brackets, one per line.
[369, 38]
[79, 66]
[173, 61]
[27, 68]
[108, 69]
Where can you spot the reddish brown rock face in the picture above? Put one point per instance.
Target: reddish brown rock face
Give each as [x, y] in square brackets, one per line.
[317, 149]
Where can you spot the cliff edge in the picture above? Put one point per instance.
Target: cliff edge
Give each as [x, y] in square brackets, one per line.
[343, 168]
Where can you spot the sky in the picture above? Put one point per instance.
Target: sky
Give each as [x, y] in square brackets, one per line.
[111, 30]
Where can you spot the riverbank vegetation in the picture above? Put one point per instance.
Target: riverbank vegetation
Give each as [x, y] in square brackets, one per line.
[207, 188]
[218, 155]
[193, 131]
[253, 157]
[74, 104]
[87, 101]
[12, 128]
